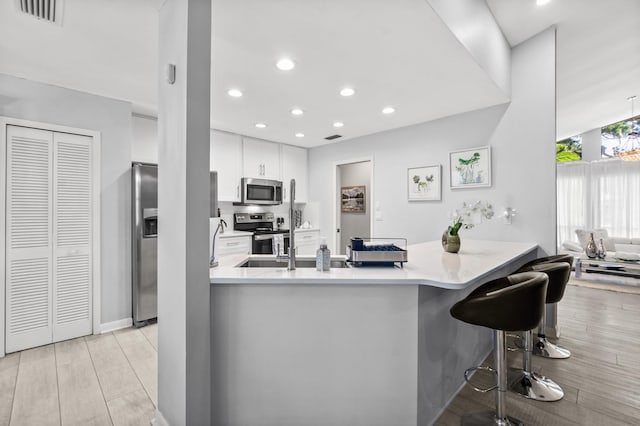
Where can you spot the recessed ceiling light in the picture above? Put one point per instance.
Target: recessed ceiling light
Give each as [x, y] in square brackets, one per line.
[261, 125]
[285, 64]
[297, 111]
[338, 124]
[388, 110]
[234, 93]
[542, 2]
[299, 135]
[347, 91]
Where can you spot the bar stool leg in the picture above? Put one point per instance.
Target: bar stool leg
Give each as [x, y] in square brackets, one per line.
[545, 348]
[530, 384]
[499, 417]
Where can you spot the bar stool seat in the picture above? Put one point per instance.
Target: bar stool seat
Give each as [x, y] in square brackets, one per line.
[525, 381]
[555, 292]
[513, 303]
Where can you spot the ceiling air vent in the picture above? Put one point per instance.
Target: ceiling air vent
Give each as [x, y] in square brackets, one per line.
[46, 10]
[332, 137]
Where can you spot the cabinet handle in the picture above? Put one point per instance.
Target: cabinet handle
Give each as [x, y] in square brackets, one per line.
[284, 194]
[230, 244]
[308, 237]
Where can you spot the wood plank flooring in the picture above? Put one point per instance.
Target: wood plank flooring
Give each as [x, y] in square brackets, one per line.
[601, 380]
[109, 379]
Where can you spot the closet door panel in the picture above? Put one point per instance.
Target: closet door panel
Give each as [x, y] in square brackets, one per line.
[29, 238]
[72, 235]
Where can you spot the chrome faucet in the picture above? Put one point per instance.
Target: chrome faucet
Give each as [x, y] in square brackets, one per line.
[291, 266]
[290, 258]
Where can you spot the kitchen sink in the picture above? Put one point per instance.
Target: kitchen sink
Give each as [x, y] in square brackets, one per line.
[301, 262]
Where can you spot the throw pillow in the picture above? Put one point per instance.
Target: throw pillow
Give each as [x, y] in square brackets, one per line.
[584, 234]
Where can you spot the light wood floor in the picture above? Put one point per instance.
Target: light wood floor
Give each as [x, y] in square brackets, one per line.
[112, 379]
[601, 380]
[94, 380]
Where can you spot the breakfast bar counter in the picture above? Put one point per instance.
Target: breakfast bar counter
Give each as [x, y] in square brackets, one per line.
[428, 265]
[356, 346]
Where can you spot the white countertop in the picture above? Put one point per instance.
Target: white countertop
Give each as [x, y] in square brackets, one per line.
[428, 265]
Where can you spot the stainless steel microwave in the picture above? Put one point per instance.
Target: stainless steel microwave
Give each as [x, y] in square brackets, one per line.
[265, 192]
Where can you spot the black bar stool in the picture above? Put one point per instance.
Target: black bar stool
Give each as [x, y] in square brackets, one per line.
[525, 381]
[555, 292]
[513, 303]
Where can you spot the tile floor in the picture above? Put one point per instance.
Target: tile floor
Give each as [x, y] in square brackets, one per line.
[109, 379]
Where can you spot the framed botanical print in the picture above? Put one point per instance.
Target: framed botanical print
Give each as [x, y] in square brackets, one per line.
[424, 183]
[470, 168]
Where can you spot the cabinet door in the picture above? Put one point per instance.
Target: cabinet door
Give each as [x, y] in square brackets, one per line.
[261, 159]
[294, 166]
[226, 159]
[307, 242]
[234, 245]
[29, 238]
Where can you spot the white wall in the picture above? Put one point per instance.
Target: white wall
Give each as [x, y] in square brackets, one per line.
[476, 29]
[29, 100]
[592, 145]
[144, 144]
[521, 135]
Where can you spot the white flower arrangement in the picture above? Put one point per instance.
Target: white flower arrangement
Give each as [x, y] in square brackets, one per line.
[464, 216]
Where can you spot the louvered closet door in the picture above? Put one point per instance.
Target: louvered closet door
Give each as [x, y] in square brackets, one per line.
[29, 241]
[72, 236]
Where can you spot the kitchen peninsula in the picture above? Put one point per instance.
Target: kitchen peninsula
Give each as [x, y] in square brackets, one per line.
[357, 346]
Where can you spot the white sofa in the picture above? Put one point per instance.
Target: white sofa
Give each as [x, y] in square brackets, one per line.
[614, 245]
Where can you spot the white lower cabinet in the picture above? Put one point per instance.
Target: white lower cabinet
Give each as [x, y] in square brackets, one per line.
[307, 241]
[234, 245]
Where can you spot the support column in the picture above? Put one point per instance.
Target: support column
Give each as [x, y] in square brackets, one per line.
[184, 352]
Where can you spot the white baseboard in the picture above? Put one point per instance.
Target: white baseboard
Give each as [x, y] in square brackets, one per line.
[159, 420]
[115, 325]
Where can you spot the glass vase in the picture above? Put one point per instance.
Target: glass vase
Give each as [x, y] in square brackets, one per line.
[450, 243]
[591, 250]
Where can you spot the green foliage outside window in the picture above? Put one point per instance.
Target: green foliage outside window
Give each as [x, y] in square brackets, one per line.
[569, 149]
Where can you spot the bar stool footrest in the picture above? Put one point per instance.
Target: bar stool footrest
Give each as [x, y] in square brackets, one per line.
[486, 418]
[467, 378]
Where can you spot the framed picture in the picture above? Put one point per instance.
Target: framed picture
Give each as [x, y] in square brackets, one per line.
[353, 199]
[470, 168]
[424, 183]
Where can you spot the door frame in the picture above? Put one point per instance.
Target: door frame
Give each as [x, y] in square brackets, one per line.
[9, 121]
[336, 205]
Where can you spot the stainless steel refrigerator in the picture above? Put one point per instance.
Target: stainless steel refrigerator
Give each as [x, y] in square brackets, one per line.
[144, 226]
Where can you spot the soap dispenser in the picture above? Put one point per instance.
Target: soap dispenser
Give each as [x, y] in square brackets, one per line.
[323, 256]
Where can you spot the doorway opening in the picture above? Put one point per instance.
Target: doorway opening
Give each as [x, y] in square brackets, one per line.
[354, 202]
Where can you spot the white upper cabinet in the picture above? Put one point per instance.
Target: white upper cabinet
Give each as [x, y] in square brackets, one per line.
[226, 159]
[261, 159]
[294, 166]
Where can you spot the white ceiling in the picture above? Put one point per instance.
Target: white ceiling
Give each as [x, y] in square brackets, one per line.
[598, 55]
[384, 49]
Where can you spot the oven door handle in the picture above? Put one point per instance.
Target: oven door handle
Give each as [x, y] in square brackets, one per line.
[263, 237]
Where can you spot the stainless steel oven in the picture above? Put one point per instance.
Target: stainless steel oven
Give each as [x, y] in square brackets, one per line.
[263, 242]
[261, 224]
